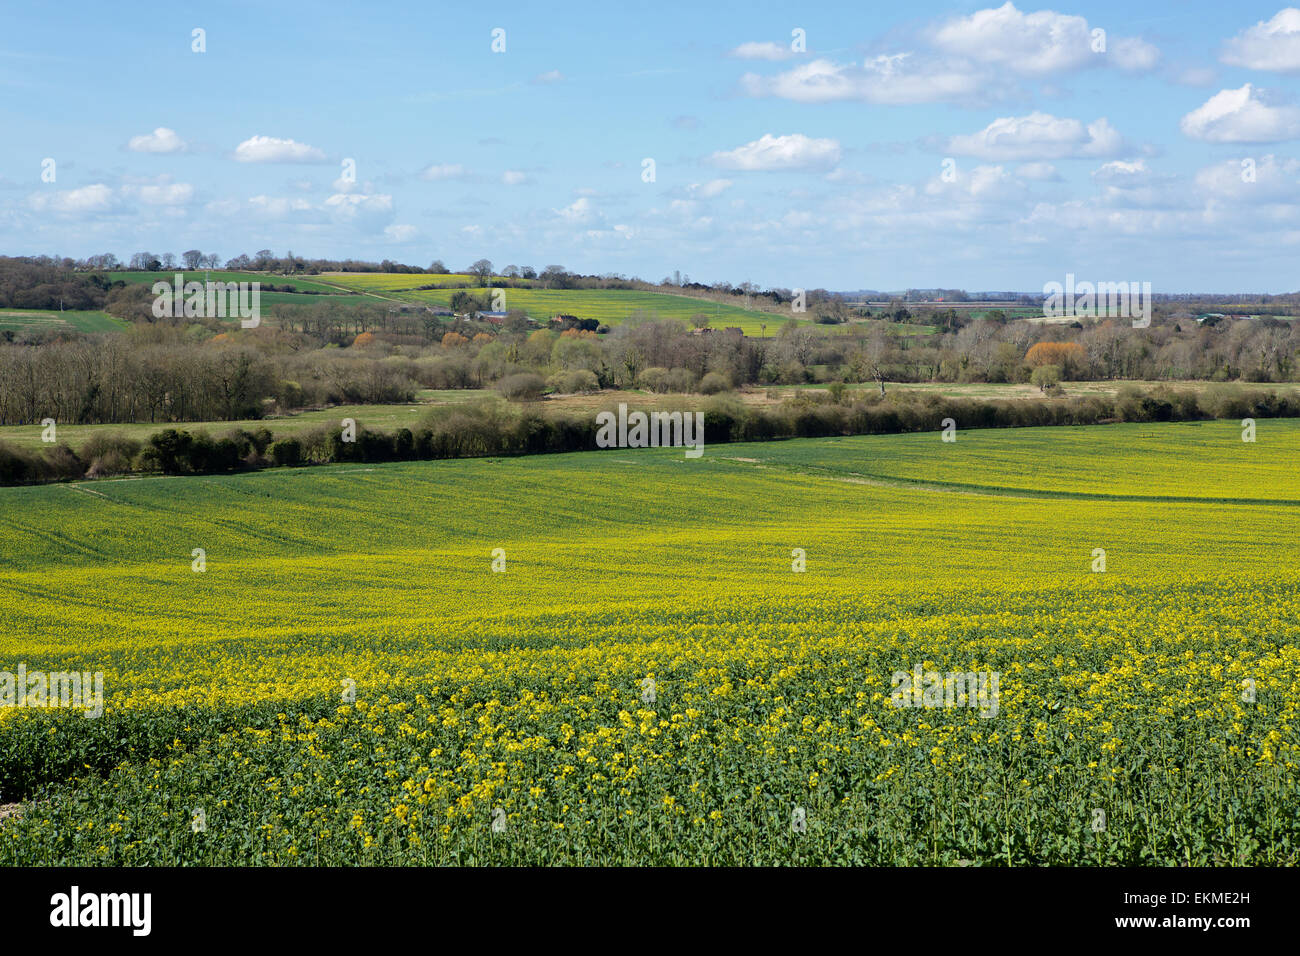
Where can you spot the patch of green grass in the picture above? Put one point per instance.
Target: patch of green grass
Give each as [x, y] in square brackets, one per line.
[298, 284]
[82, 320]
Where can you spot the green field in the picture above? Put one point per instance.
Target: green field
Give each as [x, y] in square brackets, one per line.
[21, 320]
[607, 306]
[651, 680]
[614, 306]
[398, 281]
[219, 275]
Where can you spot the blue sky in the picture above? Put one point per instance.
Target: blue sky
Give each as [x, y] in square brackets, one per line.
[969, 145]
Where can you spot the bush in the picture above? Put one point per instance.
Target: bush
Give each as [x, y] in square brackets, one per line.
[715, 382]
[679, 380]
[108, 464]
[170, 449]
[653, 378]
[286, 452]
[580, 380]
[522, 387]
[17, 464]
[100, 444]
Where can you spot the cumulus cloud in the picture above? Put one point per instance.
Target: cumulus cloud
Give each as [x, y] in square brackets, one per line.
[268, 149]
[360, 209]
[979, 183]
[895, 79]
[73, 202]
[161, 140]
[769, 152]
[101, 198]
[1039, 136]
[1123, 175]
[1267, 179]
[1268, 45]
[1040, 43]
[1134, 55]
[1033, 43]
[1243, 115]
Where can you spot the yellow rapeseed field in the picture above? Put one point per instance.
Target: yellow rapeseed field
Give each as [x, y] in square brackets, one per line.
[675, 661]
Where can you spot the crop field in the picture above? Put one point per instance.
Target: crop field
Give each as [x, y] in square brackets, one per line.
[608, 306]
[397, 281]
[21, 320]
[299, 285]
[614, 306]
[647, 676]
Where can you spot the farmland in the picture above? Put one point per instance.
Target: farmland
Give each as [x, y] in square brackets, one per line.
[607, 306]
[298, 285]
[24, 320]
[649, 680]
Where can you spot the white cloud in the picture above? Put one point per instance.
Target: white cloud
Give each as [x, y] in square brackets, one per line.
[1266, 179]
[1031, 43]
[513, 177]
[161, 140]
[714, 187]
[897, 79]
[365, 210]
[1039, 136]
[769, 152]
[1268, 45]
[1134, 55]
[550, 76]
[978, 183]
[268, 149]
[1241, 116]
[439, 171]
[580, 210]
[73, 202]
[400, 232]
[761, 51]
[1036, 44]
[1123, 175]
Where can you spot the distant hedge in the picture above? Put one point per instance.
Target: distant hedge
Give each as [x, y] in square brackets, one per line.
[495, 427]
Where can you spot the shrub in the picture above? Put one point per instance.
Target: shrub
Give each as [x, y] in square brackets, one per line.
[522, 387]
[580, 380]
[170, 448]
[286, 451]
[653, 378]
[715, 382]
[679, 380]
